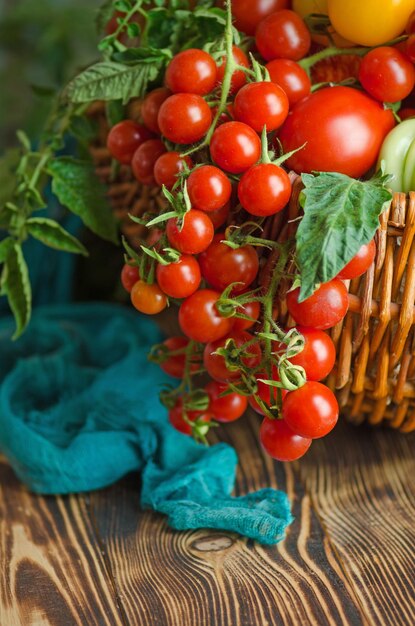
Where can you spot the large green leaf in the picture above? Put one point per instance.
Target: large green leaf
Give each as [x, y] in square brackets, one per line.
[78, 188]
[114, 81]
[53, 235]
[17, 287]
[340, 215]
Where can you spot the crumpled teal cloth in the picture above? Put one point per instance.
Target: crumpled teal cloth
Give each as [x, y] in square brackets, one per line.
[79, 409]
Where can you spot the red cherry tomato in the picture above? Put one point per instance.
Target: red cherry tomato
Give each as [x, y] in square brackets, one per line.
[167, 167]
[343, 130]
[409, 49]
[148, 299]
[311, 411]
[124, 138]
[194, 235]
[387, 74]
[360, 263]
[238, 76]
[283, 35]
[209, 188]
[180, 279]
[251, 309]
[144, 160]
[129, 276]
[406, 113]
[324, 309]
[220, 216]
[249, 13]
[184, 118]
[318, 355]
[222, 265]
[234, 147]
[178, 421]
[199, 318]
[215, 364]
[279, 441]
[191, 71]
[291, 77]
[261, 104]
[264, 189]
[151, 105]
[226, 408]
[267, 393]
[174, 364]
[410, 25]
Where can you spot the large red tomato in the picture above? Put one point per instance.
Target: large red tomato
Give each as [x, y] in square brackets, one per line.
[343, 130]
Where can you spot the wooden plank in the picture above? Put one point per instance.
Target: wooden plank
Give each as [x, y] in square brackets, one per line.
[52, 570]
[208, 578]
[362, 484]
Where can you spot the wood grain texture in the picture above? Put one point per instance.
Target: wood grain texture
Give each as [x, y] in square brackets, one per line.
[348, 558]
[52, 569]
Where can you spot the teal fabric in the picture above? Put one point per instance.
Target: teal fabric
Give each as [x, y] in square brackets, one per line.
[79, 409]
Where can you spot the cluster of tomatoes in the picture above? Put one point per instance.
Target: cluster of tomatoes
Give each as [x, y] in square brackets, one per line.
[209, 137]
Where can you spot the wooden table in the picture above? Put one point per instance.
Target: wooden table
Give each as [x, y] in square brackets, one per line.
[97, 559]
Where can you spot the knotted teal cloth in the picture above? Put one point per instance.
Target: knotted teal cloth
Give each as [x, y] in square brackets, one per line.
[79, 409]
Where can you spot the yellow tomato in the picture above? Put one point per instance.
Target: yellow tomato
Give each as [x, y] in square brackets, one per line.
[370, 22]
[306, 7]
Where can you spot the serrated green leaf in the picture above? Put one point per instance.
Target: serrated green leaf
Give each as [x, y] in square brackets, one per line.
[113, 81]
[53, 235]
[340, 215]
[17, 288]
[78, 188]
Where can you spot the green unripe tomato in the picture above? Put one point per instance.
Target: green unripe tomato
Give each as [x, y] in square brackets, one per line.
[397, 155]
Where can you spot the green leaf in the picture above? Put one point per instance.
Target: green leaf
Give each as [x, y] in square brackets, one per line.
[8, 165]
[17, 288]
[114, 81]
[5, 246]
[340, 215]
[53, 235]
[78, 188]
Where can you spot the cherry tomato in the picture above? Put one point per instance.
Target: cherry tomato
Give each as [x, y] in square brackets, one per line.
[175, 364]
[264, 189]
[124, 138]
[148, 299]
[144, 160]
[291, 77]
[410, 24]
[406, 113]
[372, 22]
[179, 279]
[167, 167]
[409, 48]
[199, 318]
[386, 74]
[191, 71]
[184, 118]
[222, 265]
[249, 13]
[226, 408]
[209, 188]
[194, 235]
[251, 309]
[279, 441]
[343, 130]
[268, 394]
[129, 276]
[178, 421]
[360, 262]
[261, 104]
[324, 309]
[150, 107]
[234, 147]
[215, 364]
[311, 411]
[238, 76]
[318, 355]
[220, 216]
[282, 35]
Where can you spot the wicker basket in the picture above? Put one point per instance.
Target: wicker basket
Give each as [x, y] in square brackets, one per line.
[374, 376]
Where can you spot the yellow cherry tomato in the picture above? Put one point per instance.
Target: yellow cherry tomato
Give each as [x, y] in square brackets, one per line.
[306, 7]
[370, 22]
